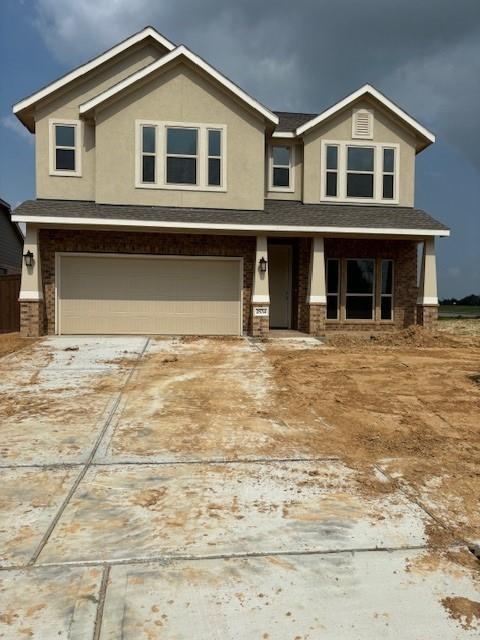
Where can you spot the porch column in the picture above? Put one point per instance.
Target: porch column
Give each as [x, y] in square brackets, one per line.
[317, 299]
[260, 315]
[31, 290]
[427, 301]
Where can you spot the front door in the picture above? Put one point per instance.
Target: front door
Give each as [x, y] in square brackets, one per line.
[280, 284]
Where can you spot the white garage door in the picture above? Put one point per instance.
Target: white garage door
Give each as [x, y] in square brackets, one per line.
[148, 295]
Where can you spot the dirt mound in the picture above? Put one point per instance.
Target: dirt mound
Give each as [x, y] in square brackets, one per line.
[413, 336]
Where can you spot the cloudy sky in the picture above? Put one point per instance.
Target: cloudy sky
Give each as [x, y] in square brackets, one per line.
[303, 55]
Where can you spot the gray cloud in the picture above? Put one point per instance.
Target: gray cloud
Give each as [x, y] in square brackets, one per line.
[307, 54]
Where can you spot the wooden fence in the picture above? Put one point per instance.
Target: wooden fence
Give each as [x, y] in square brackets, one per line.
[9, 305]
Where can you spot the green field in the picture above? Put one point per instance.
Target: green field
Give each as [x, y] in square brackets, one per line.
[452, 310]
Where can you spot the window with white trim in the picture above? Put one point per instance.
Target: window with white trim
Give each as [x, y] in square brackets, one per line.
[174, 155]
[360, 289]
[358, 172]
[281, 167]
[333, 288]
[65, 159]
[386, 290]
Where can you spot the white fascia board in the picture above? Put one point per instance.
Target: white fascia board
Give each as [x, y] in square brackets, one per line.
[205, 226]
[284, 134]
[194, 59]
[85, 68]
[367, 89]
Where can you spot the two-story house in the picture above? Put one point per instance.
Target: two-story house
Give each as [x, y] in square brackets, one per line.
[169, 201]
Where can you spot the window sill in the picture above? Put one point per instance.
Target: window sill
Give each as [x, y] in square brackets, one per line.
[281, 190]
[180, 187]
[65, 174]
[358, 201]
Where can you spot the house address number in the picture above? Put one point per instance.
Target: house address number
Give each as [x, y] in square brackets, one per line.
[260, 311]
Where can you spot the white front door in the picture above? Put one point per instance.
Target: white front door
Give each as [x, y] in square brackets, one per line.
[280, 284]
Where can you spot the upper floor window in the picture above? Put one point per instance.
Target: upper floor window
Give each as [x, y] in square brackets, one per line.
[65, 158]
[181, 156]
[357, 172]
[281, 168]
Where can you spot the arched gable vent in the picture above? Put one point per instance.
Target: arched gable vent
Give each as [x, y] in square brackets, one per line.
[362, 123]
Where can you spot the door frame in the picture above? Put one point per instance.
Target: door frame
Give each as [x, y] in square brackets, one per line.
[99, 254]
[290, 247]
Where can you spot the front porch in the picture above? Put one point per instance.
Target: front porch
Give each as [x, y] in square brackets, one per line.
[320, 284]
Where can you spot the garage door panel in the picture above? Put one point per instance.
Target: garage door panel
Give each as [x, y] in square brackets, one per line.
[149, 295]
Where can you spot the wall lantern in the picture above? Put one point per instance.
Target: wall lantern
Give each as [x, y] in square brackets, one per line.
[28, 257]
[262, 264]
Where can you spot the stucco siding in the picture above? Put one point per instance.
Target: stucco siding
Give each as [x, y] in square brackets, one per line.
[179, 95]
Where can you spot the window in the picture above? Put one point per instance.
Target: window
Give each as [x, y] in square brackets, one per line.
[214, 157]
[149, 145]
[355, 172]
[281, 168]
[65, 157]
[359, 296]
[332, 171]
[388, 173]
[183, 156]
[333, 288]
[360, 172]
[386, 290]
[182, 145]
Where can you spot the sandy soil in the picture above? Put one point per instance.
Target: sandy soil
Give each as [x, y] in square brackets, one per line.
[460, 326]
[407, 403]
[10, 342]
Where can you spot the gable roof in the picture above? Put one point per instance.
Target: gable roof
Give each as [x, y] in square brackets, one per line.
[147, 32]
[367, 90]
[180, 51]
[290, 120]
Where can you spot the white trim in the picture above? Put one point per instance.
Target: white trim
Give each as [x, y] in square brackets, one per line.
[317, 299]
[367, 89]
[161, 224]
[284, 134]
[260, 298]
[52, 146]
[291, 168]
[427, 300]
[25, 296]
[342, 146]
[89, 66]
[99, 254]
[169, 57]
[161, 156]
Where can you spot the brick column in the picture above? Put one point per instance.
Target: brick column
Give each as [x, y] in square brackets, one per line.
[32, 314]
[427, 301]
[260, 312]
[316, 289]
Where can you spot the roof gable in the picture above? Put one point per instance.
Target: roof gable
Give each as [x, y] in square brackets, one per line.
[148, 32]
[181, 52]
[365, 91]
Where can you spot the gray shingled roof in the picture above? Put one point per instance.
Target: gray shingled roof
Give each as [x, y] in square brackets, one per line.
[289, 121]
[276, 213]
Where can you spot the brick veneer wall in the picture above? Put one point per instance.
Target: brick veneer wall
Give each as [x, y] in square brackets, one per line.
[32, 320]
[54, 240]
[404, 254]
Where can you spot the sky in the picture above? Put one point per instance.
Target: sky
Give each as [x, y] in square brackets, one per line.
[299, 56]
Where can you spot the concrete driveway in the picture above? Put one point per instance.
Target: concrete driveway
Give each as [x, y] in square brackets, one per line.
[153, 489]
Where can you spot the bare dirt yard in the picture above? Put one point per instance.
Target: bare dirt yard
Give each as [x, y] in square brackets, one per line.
[10, 342]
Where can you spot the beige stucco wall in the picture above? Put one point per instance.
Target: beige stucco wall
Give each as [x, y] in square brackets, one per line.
[297, 193]
[386, 130]
[66, 105]
[179, 94]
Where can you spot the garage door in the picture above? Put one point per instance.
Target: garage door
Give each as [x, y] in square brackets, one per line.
[148, 295]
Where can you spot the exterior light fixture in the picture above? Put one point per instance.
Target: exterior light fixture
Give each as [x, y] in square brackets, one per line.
[28, 257]
[262, 265]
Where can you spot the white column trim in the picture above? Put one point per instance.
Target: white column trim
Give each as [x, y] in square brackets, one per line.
[260, 293]
[317, 284]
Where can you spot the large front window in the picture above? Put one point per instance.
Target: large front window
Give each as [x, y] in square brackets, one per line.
[354, 172]
[360, 290]
[180, 156]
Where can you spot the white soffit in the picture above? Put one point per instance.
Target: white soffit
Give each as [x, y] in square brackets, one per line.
[367, 89]
[181, 50]
[93, 64]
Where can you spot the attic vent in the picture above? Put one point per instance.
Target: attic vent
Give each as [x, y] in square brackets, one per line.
[362, 123]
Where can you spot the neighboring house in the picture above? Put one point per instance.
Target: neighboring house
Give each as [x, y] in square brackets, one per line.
[169, 201]
[11, 242]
